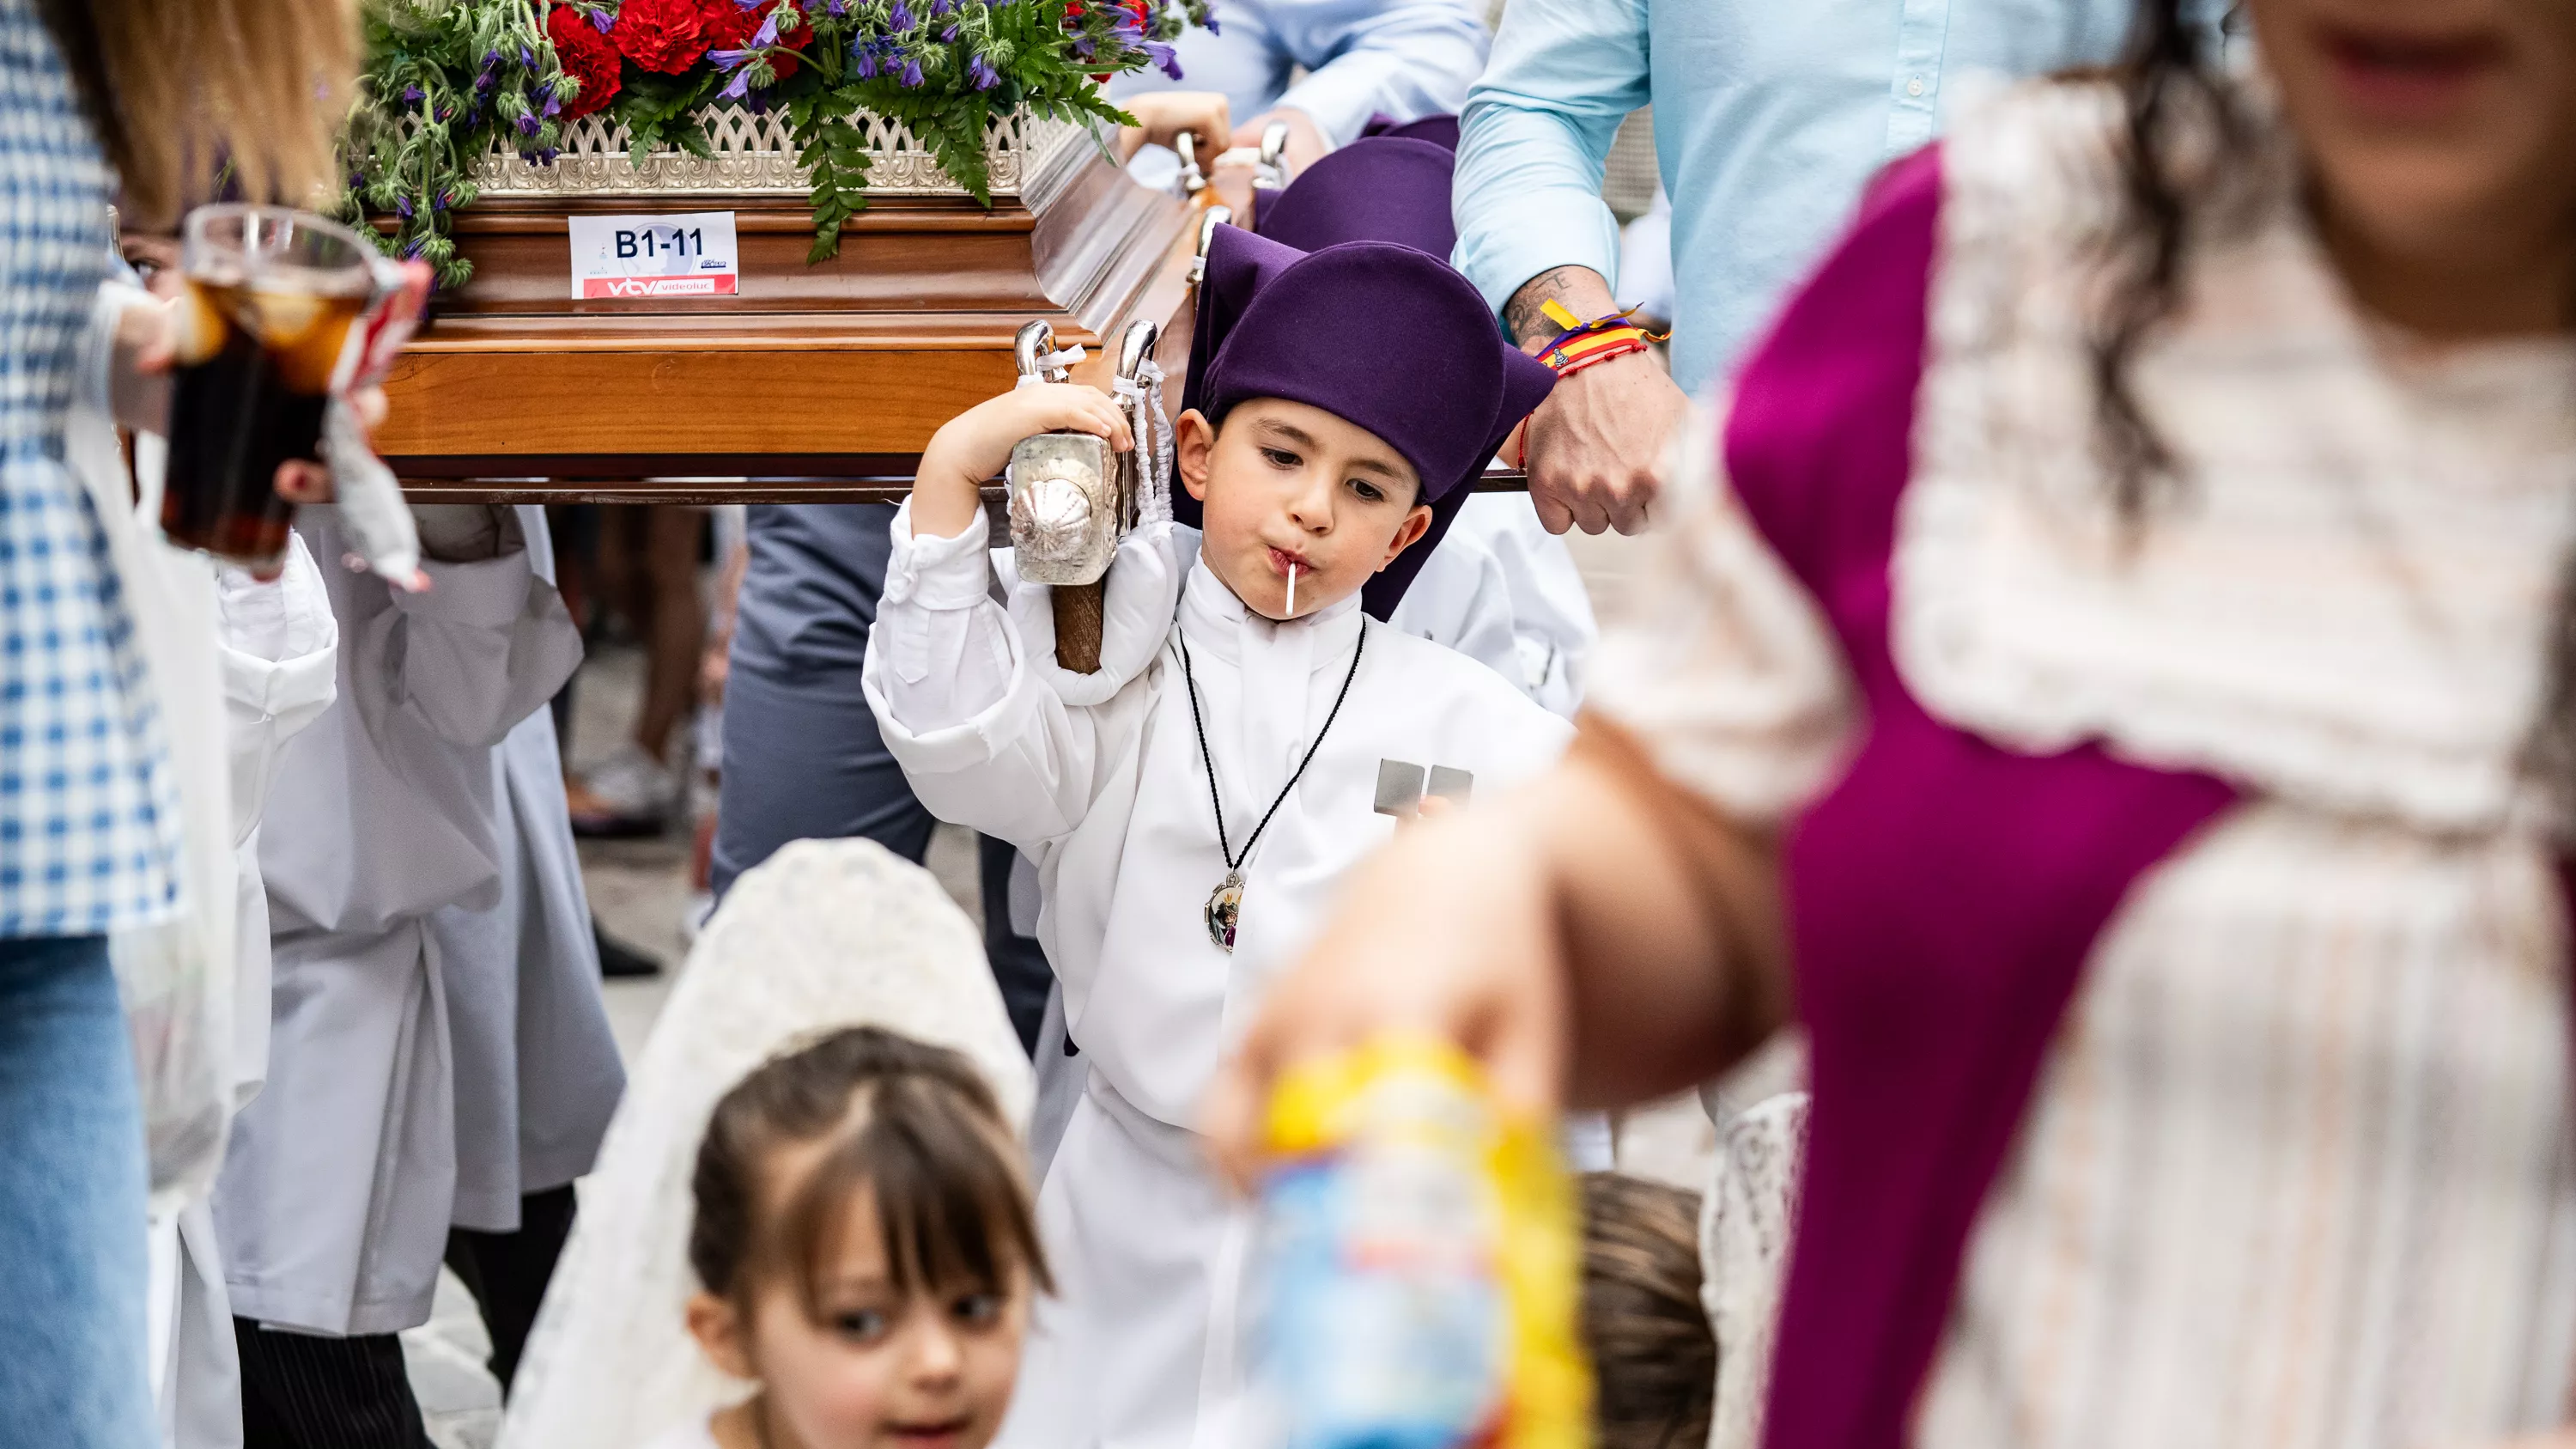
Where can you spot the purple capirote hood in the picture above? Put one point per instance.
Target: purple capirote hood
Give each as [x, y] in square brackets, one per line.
[1377, 333]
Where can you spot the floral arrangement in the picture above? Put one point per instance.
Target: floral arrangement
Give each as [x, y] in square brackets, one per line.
[466, 74]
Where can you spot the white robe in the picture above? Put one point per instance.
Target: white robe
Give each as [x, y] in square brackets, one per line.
[1504, 591]
[537, 1070]
[333, 1206]
[280, 646]
[1110, 799]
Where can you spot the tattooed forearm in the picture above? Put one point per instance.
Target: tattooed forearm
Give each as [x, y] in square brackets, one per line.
[1580, 289]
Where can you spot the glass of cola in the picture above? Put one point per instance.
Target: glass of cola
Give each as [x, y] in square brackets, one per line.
[270, 297]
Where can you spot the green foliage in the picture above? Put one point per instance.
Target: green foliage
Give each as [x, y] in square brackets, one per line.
[446, 81]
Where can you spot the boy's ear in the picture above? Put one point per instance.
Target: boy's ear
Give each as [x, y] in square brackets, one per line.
[722, 1335]
[1408, 533]
[1194, 451]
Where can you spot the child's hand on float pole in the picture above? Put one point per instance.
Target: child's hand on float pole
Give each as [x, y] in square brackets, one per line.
[948, 491]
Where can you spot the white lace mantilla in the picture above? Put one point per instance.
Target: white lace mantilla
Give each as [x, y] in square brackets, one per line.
[2342, 599]
[823, 935]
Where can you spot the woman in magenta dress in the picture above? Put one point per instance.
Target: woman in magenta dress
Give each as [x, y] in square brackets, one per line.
[2108, 677]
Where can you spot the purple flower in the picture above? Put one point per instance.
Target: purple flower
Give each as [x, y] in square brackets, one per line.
[982, 74]
[730, 59]
[600, 20]
[740, 85]
[1082, 46]
[863, 59]
[411, 250]
[1211, 24]
[413, 93]
[836, 7]
[402, 207]
[767, 35]
[527, 123]
[527, 58]
[948, 36]
[554, 107]
[1164, 57]
[911, 71]
[900, 18]
[939, 8]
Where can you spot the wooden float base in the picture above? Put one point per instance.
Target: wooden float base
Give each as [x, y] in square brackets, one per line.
[817, 380]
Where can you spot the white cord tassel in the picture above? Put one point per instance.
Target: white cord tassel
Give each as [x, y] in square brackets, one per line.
[1153, 442]
[1051, 362]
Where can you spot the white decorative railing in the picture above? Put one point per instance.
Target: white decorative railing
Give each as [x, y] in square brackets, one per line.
[754, 154]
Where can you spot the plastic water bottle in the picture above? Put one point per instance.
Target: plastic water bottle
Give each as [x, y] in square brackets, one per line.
[1417, 1280]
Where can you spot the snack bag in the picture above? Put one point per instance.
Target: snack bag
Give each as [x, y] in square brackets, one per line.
[1421, 1273]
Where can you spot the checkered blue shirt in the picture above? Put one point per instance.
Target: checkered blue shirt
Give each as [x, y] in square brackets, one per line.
[89, 824]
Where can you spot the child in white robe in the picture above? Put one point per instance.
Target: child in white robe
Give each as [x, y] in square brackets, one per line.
[1193, 806]
[334, 1201]
[680, 1316]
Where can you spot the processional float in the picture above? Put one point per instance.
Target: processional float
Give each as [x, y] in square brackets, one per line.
[806, 381]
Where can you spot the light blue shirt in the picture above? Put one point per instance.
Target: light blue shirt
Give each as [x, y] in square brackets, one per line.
[1405, 58]
[1770, 117]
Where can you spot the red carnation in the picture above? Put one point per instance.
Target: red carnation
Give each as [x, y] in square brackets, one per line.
[664, 35]
[731, 27]
[587, 57]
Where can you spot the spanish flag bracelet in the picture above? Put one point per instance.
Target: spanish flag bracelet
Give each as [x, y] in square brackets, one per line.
[1584, 344]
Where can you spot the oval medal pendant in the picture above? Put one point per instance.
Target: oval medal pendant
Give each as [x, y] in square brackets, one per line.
[1224, 908]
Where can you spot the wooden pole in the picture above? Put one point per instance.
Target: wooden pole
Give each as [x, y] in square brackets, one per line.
[1079, 611]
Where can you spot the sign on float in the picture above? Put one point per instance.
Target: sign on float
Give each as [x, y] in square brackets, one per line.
[690, 254]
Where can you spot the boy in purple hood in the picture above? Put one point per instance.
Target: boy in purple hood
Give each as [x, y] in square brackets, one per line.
[1193, 806]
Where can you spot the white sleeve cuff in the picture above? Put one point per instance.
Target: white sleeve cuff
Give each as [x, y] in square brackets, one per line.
[938, 573]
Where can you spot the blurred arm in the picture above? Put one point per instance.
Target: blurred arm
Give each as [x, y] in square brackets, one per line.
[1405, 58]
[1535, 137]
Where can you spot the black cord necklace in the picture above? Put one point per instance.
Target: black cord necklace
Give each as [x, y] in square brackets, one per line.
[1225, 903]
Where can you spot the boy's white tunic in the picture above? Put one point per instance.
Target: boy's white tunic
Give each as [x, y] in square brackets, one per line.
[1098, 779]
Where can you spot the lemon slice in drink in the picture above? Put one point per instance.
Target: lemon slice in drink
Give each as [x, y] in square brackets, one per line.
[304, 333]
[202, 327]
[284, 317]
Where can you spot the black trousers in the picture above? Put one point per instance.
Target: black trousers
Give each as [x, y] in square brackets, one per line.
[303, 1392]
[507, 1273]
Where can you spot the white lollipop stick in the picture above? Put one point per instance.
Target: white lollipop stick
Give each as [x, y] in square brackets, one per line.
[1292, 591]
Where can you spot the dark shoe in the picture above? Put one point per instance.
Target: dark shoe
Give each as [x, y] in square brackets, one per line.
[619, 961]
[629, 795]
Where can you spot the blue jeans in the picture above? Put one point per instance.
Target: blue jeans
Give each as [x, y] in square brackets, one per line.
[72, 1186]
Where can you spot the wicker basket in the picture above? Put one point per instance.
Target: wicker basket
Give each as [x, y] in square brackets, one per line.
[754, 154]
